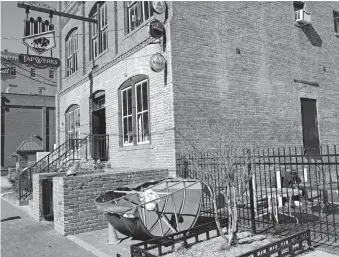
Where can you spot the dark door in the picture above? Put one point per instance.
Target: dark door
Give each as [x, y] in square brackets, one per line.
[99, 135]
[310, 126]
[47, 199]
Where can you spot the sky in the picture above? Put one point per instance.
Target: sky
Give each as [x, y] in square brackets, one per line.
[12, 25]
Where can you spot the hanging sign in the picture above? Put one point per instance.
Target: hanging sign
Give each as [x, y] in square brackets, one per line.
[156, 29]
[157, 62]
[159, 6]
[39, 62]
[38, 4]
[41, 42]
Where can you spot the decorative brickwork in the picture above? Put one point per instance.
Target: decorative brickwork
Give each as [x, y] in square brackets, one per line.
[73, 198]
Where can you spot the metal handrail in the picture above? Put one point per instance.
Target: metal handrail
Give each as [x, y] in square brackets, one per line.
[70, 148]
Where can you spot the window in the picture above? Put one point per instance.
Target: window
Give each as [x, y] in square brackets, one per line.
[99, 37]
[298, 5]
[71, 50]
[51, 74]
[135, 112]
[32, 72]
[73, 122]
[13, 71]
[42, 91]
[336, 22]
[138, 12]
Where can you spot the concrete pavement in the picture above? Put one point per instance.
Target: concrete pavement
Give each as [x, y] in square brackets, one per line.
[23, 236]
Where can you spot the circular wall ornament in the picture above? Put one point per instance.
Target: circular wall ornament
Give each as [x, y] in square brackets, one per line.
[159, 6]
[156, 29]
[157, 62]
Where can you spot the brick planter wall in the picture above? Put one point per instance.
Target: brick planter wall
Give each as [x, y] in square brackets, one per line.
[73, 198]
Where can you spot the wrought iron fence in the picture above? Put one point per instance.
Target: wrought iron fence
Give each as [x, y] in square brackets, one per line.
[284, 190]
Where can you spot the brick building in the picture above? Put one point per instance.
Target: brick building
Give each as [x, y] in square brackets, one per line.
[27, 110]
[244, 73]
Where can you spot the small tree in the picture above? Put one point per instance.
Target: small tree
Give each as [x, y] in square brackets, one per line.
[232, 172]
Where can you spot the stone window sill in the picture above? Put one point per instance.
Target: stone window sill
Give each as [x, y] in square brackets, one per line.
[135, 147]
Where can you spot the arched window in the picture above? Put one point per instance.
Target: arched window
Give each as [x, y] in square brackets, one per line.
[98, 32]
[71, 52]
[134, 106]
[72, 122]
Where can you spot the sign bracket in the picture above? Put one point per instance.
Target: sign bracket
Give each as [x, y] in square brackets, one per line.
[57, 13]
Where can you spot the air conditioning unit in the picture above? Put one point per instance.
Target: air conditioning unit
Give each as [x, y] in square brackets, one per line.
[303, 16]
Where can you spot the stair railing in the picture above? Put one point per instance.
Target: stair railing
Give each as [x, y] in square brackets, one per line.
[71, 150]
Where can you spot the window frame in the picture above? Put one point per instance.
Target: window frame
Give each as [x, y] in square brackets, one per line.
[72, 121]
[140, 9]
[71, 52]
[132, 85]
[13, 71]
[33, 72]
[98, 32]
[51, 74]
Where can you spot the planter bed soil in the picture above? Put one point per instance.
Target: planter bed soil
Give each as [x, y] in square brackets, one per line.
[205, 241]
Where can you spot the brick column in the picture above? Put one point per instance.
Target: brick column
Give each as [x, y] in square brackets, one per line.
[59, 204]
[37, 197]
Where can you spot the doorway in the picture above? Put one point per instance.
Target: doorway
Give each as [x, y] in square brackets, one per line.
[47, 199]
[99, 151]
[310, 126]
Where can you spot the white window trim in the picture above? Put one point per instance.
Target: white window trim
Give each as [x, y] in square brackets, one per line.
[143, 20]
[97, 32]
[72, 48]
[127, 116]
[143, 111]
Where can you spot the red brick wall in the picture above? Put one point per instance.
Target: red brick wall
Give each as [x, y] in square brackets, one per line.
[251, 97]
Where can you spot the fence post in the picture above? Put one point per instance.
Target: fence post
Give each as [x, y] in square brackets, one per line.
[20, 186]
[185, 168]
[249, 166]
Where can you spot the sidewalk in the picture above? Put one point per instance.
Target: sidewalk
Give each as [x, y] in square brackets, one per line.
[319, 253]
[95, 242]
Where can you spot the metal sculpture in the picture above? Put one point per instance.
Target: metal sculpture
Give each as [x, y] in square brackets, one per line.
[153, 209]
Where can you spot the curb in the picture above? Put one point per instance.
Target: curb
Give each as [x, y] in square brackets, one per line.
[87, 246]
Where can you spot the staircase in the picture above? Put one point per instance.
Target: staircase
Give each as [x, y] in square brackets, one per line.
[93, 146]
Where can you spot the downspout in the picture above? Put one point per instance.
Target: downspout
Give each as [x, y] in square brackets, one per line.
[57, 99]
